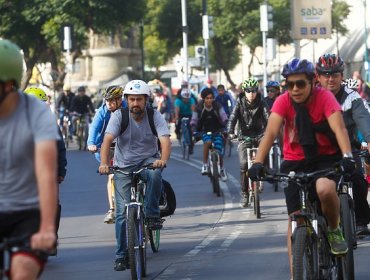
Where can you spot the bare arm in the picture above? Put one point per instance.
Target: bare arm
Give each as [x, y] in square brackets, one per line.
[165, 151]
[104, 153]
[46, 172]
[274, 123]
[336, 124]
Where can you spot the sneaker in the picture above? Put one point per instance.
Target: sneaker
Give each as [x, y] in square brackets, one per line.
[121, 264]
[205, 169]
[154, 223]
[337, 243]
[362, 230]
[244, 200]
[223, 174]
[109, 217]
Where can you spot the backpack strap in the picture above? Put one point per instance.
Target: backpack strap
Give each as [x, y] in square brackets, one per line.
[125, 120]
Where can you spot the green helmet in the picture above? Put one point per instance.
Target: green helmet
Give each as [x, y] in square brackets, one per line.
[250, 83]
[11, 62]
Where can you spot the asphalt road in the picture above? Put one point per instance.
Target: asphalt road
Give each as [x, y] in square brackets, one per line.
[208, 237]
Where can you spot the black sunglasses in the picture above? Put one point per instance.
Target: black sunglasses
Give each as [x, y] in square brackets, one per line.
[300, 84]
[251, 90]
[272, 90]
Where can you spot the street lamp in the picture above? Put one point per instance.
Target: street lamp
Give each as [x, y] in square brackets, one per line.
[366, 64]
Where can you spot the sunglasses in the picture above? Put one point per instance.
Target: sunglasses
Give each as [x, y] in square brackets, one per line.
[271, 90]
[333, 75]
[249, 90]
[300, 84]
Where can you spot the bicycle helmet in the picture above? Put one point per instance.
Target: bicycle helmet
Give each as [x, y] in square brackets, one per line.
[329, 63]
[37, 92]
[250, 83]
[137, 87]
[81, 89]
[205, 92]
[11, 62]
[185, 93]
[112, 92]
[298, 66]
[273, 84]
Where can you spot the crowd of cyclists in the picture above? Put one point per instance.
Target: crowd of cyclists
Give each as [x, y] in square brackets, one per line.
[319, 120]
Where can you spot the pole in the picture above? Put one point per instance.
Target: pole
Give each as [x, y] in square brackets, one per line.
[184, 41]
[142, 50]
[264, 62]
[206, 67]
[366, 65]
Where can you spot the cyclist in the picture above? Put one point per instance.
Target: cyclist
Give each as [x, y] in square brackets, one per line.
[209, 116]
[63, 106]
[356, 115]
[273, 91]
[184, 107]
[62, 158]
[251, 114]
[112, 96]
[136, 146]
[81, 106]
[28, 161]
[312, 121]
[225, 99]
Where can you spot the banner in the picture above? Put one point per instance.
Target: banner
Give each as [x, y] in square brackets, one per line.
[310, 19]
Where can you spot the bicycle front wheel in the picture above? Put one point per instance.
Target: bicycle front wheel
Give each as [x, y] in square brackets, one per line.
[346, 267]
[276, 165]
[304, 249]
[256, 199]
[135, 243]
[154, 238]
[215, 174]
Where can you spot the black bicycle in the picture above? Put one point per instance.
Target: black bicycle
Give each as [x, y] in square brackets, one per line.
[137, 232]
[312, 258]
[214, 166]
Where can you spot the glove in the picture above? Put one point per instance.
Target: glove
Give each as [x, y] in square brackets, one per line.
[347, 165]
[256, 172]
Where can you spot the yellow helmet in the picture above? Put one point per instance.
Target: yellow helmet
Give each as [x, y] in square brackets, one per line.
[37, 92]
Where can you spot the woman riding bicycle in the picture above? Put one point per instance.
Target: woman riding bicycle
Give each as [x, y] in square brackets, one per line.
[312, 121]
[251, 113]
[209, 116]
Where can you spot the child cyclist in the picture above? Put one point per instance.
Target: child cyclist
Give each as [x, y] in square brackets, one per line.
[113, 100]
[251, 114]
[209, 116]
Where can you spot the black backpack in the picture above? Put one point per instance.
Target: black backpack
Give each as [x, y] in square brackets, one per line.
[167, 202]
[125, 119]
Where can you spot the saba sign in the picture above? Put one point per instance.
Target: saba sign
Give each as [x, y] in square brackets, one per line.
[310, 19]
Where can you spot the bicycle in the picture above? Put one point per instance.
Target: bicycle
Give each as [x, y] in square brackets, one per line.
[254, 187]
[137, 233]
[64, 124]
[82, 130]
[275, 160]
[185, 137]
[312, 258]
[228, 146]
[214, 166]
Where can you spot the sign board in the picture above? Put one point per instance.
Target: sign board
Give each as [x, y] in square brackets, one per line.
[310, 19]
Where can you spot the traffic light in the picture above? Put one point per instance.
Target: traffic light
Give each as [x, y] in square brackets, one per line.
[270, 17]
[200, 51]
[266, 17]
[207, 22]
[210, 27]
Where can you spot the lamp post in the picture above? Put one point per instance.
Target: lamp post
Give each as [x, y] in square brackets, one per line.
[184, 40]
[366, 64]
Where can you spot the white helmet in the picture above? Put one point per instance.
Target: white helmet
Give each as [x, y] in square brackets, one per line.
[185, 93]
[136, 87]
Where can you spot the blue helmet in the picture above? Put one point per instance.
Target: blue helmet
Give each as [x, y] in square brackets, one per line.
[273, 84]
[298, 66]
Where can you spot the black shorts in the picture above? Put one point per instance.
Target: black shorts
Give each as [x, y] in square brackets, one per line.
[292, 198]
[22, 223]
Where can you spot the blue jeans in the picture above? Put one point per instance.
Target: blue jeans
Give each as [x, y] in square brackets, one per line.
[122, 192]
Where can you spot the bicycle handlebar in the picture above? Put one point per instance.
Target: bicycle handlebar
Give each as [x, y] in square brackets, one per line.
[19, 241]
[116, 169]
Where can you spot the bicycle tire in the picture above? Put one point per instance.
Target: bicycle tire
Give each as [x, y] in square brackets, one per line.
[304, 252]
[256, 199]
[230, 147]
[85, 136]
[346, 268]
[276, 165]
[185, 151]
[154, 238]
[135, 244]
[215, 174]
[79, 136]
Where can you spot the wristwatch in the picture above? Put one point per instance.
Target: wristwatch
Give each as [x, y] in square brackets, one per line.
[347, 155]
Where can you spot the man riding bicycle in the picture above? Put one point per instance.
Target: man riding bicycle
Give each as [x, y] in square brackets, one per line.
[273, 91]
[313, 130]
[28, 185]
[136, 146]
[112, 96]
[251, 113]
[356, 115]
[81, 106]
[209, 116]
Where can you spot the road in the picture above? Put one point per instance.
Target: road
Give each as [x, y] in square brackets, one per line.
[208, 237]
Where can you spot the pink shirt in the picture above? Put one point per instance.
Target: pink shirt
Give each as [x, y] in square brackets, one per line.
[320, 108]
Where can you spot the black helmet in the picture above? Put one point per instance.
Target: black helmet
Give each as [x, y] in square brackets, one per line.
[329, 63]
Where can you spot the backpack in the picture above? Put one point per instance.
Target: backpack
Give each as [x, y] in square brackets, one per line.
[126, 117]
[167, 201]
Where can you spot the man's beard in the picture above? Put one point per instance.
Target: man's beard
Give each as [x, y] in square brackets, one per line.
[138, 112]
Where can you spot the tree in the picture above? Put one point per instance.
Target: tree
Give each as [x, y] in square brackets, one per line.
[35, 25]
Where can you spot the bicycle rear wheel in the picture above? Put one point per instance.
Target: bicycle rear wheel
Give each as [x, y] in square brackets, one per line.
[304, 250]
[185, 151]
[215, 174]
[154, 238]
[135, 243]
[346, 268]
